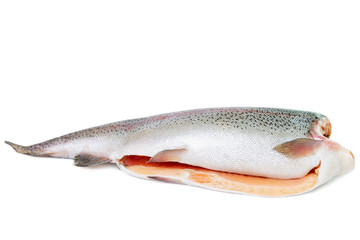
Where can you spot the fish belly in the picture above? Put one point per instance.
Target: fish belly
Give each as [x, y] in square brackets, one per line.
[243, 153]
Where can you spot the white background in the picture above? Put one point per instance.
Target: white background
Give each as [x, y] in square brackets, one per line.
[69, 65]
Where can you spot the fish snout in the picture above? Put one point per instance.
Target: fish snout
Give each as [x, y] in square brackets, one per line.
[335, 160]
[346, 159]
[348, 162]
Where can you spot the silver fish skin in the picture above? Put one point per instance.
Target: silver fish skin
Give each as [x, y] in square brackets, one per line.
[235, 140]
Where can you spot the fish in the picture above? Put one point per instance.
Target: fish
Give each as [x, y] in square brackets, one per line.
[267, 152]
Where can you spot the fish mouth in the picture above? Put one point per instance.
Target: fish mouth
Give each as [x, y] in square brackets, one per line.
[352, 155]
[174, 172]
[321, 129]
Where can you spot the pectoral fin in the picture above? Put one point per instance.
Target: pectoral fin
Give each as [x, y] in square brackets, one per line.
[88, 160]
[171, 155]
[298, 148]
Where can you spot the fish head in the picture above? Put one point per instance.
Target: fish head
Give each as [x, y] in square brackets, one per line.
[344, 157]
[335, 160]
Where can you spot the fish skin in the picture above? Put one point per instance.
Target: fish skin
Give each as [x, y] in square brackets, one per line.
[238, 140]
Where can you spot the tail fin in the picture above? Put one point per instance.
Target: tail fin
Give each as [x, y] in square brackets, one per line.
[21, 149]
[81, 160]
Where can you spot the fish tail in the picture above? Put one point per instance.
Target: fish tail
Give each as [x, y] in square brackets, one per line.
[80, 160]
[23, 149]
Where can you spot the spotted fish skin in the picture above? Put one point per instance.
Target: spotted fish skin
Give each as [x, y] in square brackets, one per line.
[287, 123]
[238, 140]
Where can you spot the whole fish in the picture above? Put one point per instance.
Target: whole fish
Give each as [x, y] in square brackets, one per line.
[256, 151]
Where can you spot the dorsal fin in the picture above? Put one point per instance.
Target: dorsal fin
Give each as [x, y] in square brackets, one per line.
[298, 148]
[88, 160]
